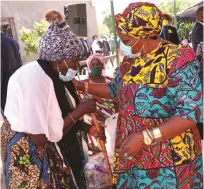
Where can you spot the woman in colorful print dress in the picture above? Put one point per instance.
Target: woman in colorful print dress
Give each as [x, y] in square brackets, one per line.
[159, 91]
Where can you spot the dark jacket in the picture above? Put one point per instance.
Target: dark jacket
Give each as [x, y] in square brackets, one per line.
[197, 35]
[86, 49]
[169, 33]
[10, 62]
[106, 48]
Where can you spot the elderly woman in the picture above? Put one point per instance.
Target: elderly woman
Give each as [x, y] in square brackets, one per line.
[96, 64]
[42, 109]
[105, 107]
[157, 143]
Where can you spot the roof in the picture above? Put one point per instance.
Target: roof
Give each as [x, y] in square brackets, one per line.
[189, 13]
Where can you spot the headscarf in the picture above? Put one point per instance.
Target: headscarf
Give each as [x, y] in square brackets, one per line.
[59, 42]
[140, 20]
[96, 56]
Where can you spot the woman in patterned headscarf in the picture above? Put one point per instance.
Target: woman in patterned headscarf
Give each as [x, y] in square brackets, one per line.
[41, 139]
[159, 91]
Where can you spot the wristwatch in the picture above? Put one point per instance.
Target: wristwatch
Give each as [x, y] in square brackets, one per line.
[147, 138]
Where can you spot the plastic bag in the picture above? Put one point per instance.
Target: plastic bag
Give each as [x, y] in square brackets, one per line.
[97, 174]
[110, 132]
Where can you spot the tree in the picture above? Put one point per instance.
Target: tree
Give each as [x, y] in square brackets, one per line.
[103, 30]
[168, 6]
[184, 29]
[107, 21]
[32, 37]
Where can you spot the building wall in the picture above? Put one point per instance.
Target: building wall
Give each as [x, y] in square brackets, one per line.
[25, 13]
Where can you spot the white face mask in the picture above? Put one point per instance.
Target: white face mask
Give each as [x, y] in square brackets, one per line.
[69, 75]
[127, 50]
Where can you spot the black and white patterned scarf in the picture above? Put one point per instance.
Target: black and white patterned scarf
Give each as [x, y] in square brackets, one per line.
[59, 42]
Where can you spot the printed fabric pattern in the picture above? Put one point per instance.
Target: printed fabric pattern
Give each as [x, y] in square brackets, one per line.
[174, 163]
[32, 167]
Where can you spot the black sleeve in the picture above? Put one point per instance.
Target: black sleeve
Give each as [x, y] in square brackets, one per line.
[176, 38]
[173, 35]
[17, 54]
[81, 126]
[197, 36]
[10, 62]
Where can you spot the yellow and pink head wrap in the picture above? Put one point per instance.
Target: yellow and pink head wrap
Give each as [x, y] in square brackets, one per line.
[140, 20]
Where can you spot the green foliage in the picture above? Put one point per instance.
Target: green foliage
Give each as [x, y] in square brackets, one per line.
[168, 6]
[103, 30]
[107, 21]
[32, 37]
[183, 29]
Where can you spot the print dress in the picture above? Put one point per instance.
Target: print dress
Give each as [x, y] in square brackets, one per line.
[162, 84]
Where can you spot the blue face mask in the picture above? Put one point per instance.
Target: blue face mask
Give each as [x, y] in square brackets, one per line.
[69, 75]
[127, 50]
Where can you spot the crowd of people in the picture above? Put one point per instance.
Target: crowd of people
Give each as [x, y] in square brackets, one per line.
[157, 93]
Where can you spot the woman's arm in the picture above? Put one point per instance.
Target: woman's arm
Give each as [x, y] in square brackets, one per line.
[100, 90]
[88, 106]
[175, 126]
[85, 107]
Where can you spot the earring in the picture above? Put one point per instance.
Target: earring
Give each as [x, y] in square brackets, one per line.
[66, 64]
[58, 69]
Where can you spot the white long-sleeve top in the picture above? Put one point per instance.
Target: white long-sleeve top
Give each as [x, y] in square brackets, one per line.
[95, 46]
[31, 105]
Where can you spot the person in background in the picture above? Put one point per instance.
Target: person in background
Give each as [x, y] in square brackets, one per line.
[96, 64]
[169, 32]
[86, 49]
[197, 43]
[197, 32]
[199, 54]
[112, 44]
[106, 48]
[105, 107]
[40, 140]
[10, 62]
[96, 45]
[85, 55]
[157, 142]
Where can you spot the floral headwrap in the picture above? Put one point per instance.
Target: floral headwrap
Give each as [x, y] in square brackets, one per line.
[96, 56]
[140, 20]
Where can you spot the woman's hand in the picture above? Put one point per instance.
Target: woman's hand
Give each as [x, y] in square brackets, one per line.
[88, 106]
[133, 145]
[98, 135]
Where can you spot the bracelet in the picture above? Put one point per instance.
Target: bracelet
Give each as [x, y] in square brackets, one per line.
[150, 134]
[86, 87]
[156, 134]
[72, 118]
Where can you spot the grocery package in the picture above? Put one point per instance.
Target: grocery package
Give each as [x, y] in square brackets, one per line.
[97, 174]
